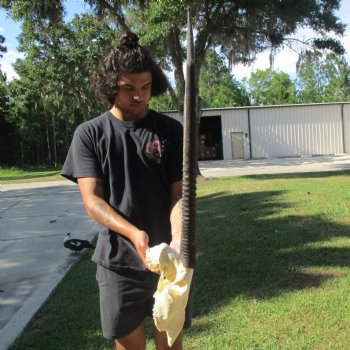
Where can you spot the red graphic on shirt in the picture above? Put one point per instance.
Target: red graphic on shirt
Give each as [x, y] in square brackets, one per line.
[154, 150]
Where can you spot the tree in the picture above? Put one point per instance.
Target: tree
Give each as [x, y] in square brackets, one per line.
[238, 29]
[217, 87]
[7, 129]
[323, 79]
[267, 87]
[54, 93]
[162, 103]
[338, 71]
[3, 49]
[38, 11]
[3, 93]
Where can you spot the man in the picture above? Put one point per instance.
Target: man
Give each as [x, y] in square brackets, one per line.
[128, 165]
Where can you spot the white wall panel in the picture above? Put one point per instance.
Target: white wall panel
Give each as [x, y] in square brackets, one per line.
[234, 121]
[296, 131]
[286, 131]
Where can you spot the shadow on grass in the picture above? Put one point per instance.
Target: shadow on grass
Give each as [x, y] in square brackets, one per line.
[247, 250]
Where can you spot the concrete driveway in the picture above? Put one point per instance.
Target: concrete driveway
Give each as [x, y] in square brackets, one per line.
[219, 168]
[34, 219]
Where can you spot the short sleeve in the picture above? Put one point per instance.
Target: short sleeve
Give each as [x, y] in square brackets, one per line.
[82, 158]
[174, 167]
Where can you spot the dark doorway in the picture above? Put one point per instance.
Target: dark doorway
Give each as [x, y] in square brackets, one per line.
[210, 138]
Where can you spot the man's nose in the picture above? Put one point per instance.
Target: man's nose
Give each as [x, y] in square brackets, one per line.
[138, 96]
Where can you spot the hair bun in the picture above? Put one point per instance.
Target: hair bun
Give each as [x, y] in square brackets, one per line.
[129, 40]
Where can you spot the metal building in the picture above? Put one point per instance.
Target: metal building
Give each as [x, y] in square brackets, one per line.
[274, 131]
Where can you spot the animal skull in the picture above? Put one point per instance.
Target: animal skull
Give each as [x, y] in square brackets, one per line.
[172, 291]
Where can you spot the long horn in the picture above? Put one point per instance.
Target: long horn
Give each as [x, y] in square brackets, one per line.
[188, 247]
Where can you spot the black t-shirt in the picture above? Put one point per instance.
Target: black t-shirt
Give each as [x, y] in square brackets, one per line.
[138, 161]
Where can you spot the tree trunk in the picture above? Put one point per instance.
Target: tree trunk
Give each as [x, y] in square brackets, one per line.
[38, 161]
[22, 153]
[66, 136]
[47, 136]
[200, 177]
[54, 138]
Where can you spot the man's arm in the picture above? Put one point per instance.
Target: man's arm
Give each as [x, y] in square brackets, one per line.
[92, 191]
[176, 214]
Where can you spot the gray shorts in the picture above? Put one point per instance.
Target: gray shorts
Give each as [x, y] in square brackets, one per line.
[126, 299]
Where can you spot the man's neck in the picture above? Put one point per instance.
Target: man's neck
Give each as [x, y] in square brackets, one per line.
[128, 117]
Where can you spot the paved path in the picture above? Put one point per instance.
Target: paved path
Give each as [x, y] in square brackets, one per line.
[34, 217]
[220, 168]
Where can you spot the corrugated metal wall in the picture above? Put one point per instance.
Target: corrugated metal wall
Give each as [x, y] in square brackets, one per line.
[234, 121]
[296, 131]
[286, 131]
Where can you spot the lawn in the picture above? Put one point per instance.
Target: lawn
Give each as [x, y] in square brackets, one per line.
[273, 271]
[10, 175]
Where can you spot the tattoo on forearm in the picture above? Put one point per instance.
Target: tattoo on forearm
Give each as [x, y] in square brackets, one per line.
[101, 212]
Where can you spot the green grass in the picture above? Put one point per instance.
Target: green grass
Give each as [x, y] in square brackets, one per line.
[10, 175]
[273, 271]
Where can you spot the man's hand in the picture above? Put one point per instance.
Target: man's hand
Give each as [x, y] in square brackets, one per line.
[176, 215]
[140, 241]
[92, 192]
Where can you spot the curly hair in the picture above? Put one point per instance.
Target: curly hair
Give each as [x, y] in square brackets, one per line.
[127, 57]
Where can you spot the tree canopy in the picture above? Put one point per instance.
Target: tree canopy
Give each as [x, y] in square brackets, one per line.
[53, 94]
[320, 78]
[267, 87]
[239, 29]
[3, 48]
[323, 79]
[217, 86]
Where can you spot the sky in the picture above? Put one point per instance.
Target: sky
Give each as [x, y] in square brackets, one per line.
[285, 61]
[11, 29]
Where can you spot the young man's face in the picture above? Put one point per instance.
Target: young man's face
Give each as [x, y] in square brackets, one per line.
[134, 92]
